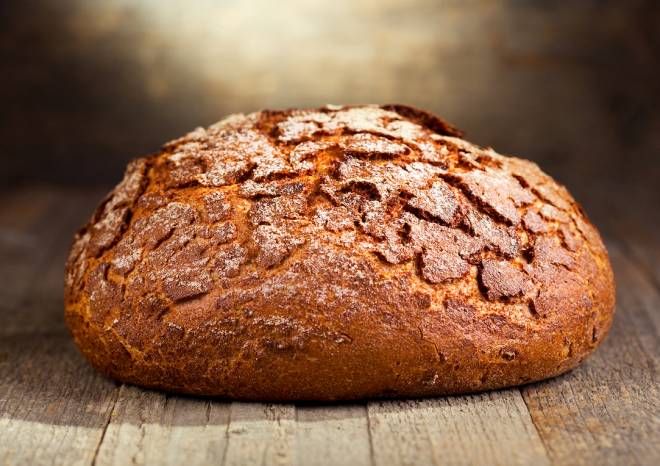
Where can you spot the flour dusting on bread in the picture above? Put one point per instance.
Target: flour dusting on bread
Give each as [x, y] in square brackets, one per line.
[336, 253]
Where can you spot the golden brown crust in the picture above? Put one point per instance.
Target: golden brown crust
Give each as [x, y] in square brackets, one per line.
[338, 253]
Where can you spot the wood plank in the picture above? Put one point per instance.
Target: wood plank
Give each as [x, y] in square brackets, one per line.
[606, 410]
[637, 233]
[42, 306]
[24, 215]
[487, 428]
[260, 434]
[638, 299]
[32, 265]
[332, 434]
[53, 406]
[149, 427]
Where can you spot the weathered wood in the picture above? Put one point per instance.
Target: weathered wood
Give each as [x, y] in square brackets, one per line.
[149, 427]
[335, 434]
[24, 216]
[489, 428]
[636, 229]
[37, 233]
[260, 434]
[607, 410]
[53, 407]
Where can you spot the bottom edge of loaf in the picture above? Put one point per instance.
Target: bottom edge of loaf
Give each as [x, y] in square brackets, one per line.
[413, 374]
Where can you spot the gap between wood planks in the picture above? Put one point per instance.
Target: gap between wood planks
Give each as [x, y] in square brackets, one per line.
[371, 440]
[105, 427]
[605, 411]
[536, 426]
[423, 425]
[40, 394]
[475, 428]
[224, 449]
[58, 235]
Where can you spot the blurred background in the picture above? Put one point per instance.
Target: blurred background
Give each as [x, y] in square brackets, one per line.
[86, 85]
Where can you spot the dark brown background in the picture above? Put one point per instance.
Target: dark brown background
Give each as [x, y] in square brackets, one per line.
[85, 86]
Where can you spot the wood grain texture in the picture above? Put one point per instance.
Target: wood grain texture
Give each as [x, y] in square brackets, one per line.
[148, 427]
[55, 409]
[36, 231]
[24, 215]
[260, 434]
[607, 410]
[489, 428]
[337, 435]
[635, 228]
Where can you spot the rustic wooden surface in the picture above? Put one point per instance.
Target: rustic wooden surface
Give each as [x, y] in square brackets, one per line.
[85, 86]
[55, 409]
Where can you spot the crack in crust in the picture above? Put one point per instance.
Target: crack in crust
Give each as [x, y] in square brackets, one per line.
[367, 198]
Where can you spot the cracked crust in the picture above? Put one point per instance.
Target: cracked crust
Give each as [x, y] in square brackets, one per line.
[337, 253]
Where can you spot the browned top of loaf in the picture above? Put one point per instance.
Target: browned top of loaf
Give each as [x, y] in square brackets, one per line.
[296, 220]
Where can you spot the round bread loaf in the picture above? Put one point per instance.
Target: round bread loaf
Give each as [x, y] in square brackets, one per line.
[337, 253]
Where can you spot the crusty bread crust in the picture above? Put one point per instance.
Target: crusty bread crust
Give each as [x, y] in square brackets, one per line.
[337, 253]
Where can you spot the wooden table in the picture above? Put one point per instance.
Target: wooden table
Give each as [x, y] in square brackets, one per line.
[55, 409]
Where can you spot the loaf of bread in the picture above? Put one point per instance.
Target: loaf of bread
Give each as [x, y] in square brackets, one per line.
[336, 253]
